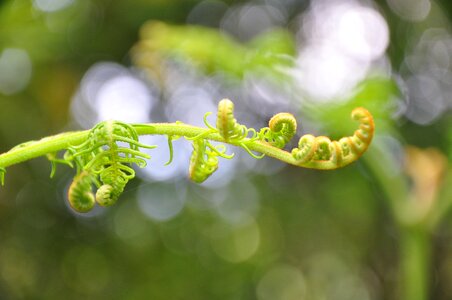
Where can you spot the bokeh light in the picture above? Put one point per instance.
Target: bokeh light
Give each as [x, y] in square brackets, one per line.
[52, 5]
[411, 10]
[120, 92]
[247, 21]
[282, 282]
[236, 243]
[15, 70]
[207, 13]
[157, 168]
[77, 262]
[161, 202]
[339, 42]
[109, 91]
[427, 70]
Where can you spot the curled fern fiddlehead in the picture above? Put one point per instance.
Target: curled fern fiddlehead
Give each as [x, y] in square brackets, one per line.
[114, 182]
[281, 128]
[80, 195]
[363, 136]
[322, 153]
[104, 155]
[231, 130]
[204, 160]
[227, 125]
[306, 148]
[108, 152]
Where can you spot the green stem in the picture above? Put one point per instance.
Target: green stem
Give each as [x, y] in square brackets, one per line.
[63, 141]
[443, 203]
[414, 248]
[46, 145]
[414, 262]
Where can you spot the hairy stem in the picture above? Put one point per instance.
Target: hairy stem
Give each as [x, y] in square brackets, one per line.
[46, 145]
[63, 141]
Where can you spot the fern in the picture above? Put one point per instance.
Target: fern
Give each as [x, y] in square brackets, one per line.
[104, 156]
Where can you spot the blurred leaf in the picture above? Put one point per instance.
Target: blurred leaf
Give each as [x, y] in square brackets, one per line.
[213, 50]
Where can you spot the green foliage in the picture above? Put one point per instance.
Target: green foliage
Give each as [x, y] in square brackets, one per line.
[104, 156]
[106, 161]
[215, 51]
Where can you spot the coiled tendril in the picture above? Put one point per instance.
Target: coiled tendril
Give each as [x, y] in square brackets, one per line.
[322, 153]
[107, 153]
[281, 128]
[109, 150]
[231, 130]
[227, 125]
[80, 195]
[204, 159]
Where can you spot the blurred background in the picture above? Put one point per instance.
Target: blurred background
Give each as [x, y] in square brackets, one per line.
[380, 228]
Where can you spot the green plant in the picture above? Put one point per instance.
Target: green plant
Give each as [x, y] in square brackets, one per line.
[418, 200]
[103, 156]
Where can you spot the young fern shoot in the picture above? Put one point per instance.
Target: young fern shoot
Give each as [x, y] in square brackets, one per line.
[104, 156]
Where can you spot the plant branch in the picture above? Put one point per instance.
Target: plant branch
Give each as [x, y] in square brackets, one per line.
[104, 155]
[62, 141]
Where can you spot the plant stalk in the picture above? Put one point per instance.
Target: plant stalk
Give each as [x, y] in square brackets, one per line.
[415, 255]
[414, 233]
[62, 141]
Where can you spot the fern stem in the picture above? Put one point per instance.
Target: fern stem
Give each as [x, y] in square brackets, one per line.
[415, 255]
[42, 147]
[63, 141]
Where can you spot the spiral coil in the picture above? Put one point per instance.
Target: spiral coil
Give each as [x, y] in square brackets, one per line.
[281, 128]
[203, 162]
[227, 125]
[322, 153]
[80, 195]
[204, 159]
[107, 154]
